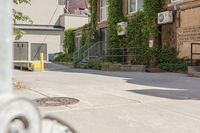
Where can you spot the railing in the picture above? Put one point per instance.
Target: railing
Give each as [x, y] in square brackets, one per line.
[133, 55]
[192, 53]
[88, 51]
[78, 55]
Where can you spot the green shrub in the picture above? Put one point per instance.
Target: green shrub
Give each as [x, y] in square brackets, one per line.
[167, 55]
[95, 64]
[165, 58]
[151, 54]
[106, 64]
[63, 58]
[181, 67]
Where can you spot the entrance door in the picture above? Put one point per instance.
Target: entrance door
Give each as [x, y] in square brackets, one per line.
[20, 51]
[36, 49]
[103, 38]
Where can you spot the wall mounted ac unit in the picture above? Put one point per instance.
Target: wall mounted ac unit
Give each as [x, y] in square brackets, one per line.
[122, 28]
[165, 17]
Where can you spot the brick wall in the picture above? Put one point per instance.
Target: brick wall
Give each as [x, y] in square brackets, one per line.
[185, 29]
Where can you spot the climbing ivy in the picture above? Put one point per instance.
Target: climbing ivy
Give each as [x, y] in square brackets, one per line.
[89, 32]
[115, 15]
[93, 11]
[135, 35]
[69, 41]
[151, 9]
[89, 35]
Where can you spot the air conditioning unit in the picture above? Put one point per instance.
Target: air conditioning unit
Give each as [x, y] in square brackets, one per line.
[122, 28]
[165, 17]
[61, 2]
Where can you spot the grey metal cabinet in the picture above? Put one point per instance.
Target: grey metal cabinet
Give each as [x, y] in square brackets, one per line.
[20, 51]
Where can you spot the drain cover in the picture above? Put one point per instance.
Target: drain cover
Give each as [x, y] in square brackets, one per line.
[55, 101]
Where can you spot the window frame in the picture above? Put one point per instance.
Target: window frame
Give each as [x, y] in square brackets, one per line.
[105, 9]
[136, 7]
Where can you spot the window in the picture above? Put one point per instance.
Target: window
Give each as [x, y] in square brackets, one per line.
[135, 5]
[103, 10]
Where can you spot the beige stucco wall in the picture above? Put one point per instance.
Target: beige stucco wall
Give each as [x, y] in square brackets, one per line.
[73, 21]
[43, 12]
[53, 39]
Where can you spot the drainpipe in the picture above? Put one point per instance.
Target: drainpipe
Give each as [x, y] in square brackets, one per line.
[6, 46]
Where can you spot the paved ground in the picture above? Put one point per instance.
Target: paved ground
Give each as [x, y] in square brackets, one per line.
[119, 102]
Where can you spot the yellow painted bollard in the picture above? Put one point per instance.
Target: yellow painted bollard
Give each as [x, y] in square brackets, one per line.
[42, 61]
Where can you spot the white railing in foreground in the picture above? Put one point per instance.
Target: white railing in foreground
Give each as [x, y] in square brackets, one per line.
[18, 115]
[5, 45]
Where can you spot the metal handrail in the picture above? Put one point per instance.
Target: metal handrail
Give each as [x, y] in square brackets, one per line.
[97, 51]
[193, 44]
[84, 52]
[124, 53]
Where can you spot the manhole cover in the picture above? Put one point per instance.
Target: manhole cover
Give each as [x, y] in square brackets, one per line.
[55, 101]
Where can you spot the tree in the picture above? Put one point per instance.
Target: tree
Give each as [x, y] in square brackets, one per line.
[69, 41]
[19, 16]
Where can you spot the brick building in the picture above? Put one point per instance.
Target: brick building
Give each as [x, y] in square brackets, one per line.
[129, 7]
[186, 27]
[183, 30]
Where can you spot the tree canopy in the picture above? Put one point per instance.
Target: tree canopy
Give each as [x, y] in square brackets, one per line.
[19, 16]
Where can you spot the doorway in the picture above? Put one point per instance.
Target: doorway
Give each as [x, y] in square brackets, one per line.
[103, 38]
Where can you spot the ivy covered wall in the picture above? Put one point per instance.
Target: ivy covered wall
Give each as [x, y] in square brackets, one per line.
[115, 15]
[151, 10]
[135, 37]
[142, 26]
[89, 33]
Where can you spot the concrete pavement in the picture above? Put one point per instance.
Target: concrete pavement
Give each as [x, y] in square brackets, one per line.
[118, 102]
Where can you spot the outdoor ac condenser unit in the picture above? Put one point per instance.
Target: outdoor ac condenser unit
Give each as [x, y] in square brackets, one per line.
[165, 17]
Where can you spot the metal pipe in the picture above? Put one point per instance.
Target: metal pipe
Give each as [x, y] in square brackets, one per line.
[5, 46]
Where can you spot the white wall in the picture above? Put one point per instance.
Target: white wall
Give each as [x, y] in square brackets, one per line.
[73, 21]
[51, 38]
[42, 12]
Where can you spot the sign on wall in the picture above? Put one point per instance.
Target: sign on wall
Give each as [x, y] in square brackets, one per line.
[188, 34]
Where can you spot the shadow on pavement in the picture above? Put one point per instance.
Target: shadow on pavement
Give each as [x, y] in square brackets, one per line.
[165, 85]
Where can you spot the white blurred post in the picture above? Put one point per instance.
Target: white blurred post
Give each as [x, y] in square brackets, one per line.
[5, 46]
